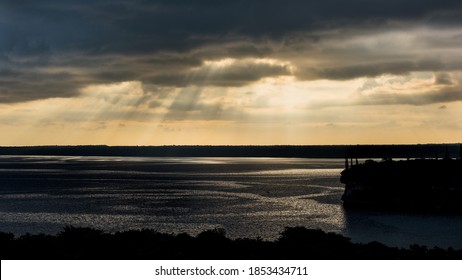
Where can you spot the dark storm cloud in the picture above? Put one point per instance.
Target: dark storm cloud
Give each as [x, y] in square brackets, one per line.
[234, 74]
[137, 26]
[17, 86]
[166, 42]
[446, 95]
[372, 69]
[443, 79]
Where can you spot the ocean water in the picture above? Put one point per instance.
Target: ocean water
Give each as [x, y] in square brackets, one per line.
[248, 197]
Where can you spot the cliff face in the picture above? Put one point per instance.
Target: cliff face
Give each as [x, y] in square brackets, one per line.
[404, 185]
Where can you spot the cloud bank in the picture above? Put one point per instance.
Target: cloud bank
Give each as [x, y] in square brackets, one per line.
[52, 49]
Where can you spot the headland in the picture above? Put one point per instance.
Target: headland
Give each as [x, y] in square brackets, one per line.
[412, 184]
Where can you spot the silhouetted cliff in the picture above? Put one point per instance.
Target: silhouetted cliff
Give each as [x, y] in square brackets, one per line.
[433, 185]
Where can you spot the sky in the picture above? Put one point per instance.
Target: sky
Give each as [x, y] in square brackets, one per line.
[290, 72]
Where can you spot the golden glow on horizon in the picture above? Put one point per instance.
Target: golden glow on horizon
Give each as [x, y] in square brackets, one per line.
[279, 110]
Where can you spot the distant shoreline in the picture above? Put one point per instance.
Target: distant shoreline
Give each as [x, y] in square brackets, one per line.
[306, 151]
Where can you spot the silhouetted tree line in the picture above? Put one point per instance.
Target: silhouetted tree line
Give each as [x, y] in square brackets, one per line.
[293, 243]
[316, 151]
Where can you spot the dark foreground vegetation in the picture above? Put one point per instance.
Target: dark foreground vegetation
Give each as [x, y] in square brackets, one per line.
[293, 243]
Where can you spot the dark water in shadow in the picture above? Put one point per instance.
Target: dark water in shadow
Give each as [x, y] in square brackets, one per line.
[248, 197]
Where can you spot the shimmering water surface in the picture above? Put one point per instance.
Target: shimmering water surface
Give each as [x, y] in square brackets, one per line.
[248, 197]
